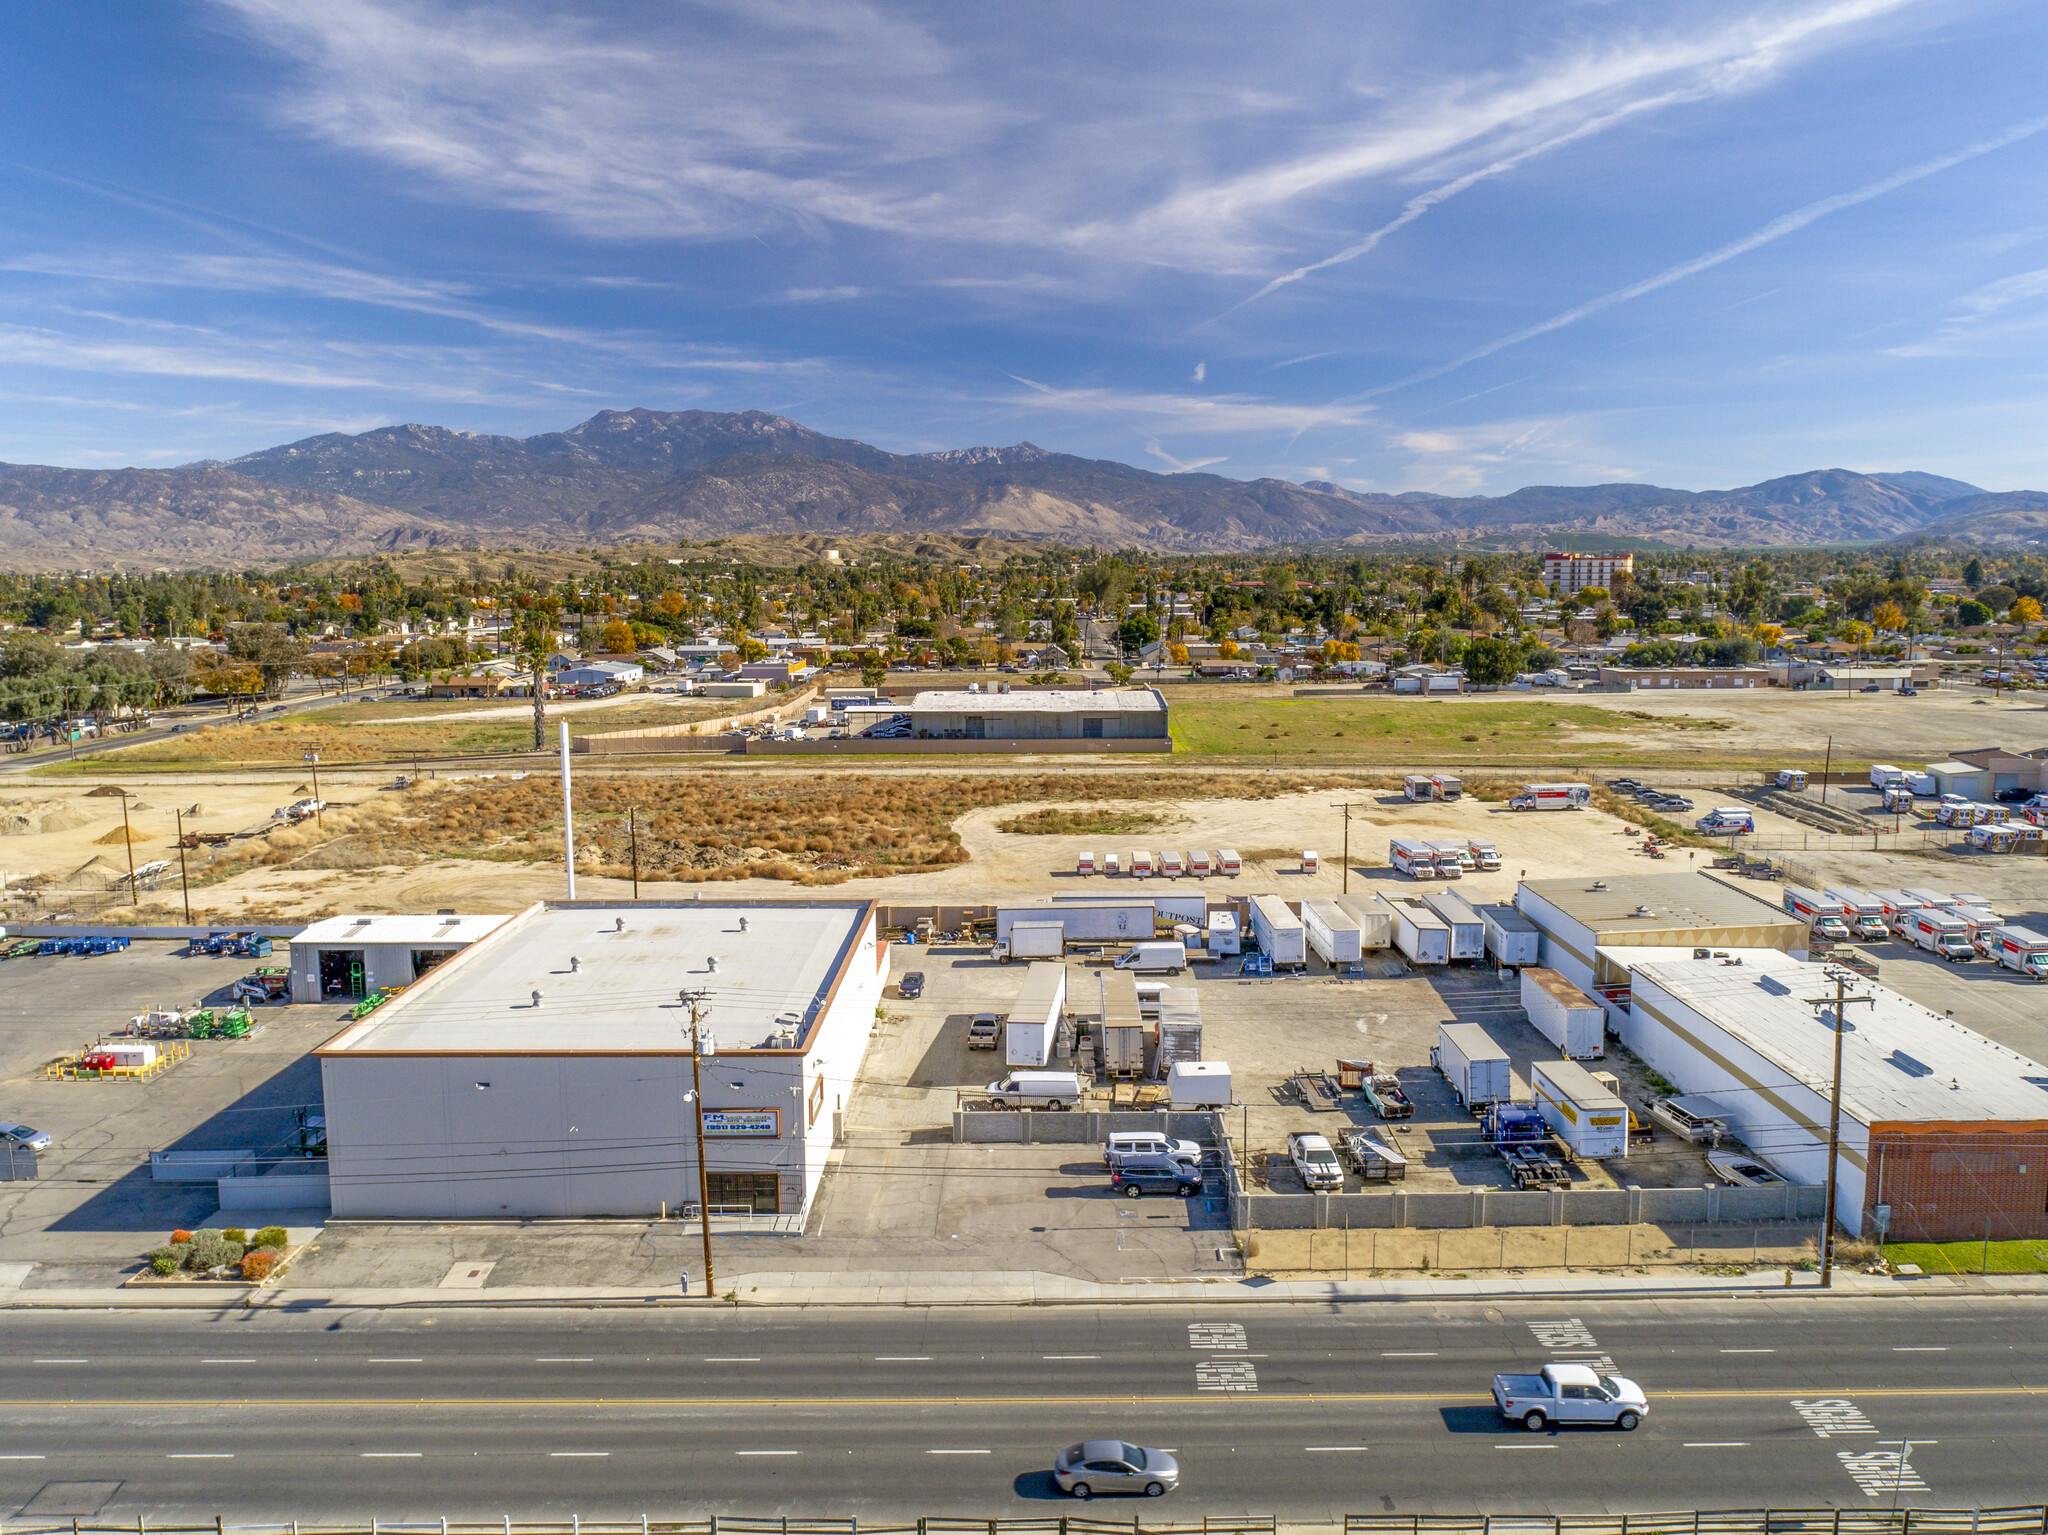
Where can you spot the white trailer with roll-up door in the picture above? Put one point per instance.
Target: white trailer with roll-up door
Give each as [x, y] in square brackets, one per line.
[1586, 1116]
[1332, 931]
[1375, 922]
[1166, 906]
[1475, 1065]
[1419, 933]
[1563, 1014]
[1278, 931]
[1034, 1021]
[1468, 931]
[1511, 938]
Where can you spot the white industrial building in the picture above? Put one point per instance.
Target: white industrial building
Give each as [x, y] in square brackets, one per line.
[1943, 1130]
[355, 956]
[1577, 917]
[1041, 714]
[545, 1071]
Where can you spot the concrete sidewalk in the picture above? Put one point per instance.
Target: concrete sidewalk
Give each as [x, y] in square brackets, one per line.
[1021, 1288]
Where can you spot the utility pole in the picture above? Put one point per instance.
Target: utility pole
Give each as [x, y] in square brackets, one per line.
[313, 761]
[184, 879]
[128, 841]
[1826, 763]
[633, 831]
[695, 1001]
[1347, 807]
[568, 816]
[1840, 1000]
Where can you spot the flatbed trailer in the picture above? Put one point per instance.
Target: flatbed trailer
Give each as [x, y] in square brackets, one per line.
[1317, 1090]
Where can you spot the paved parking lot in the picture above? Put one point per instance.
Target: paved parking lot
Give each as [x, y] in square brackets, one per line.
[93, 1203]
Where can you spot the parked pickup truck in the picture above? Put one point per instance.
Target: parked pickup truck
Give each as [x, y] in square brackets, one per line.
[1569, 1393]
[985, 1032]
[1314, 1160]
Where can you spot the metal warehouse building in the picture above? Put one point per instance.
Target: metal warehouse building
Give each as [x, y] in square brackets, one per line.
[1944, 1132]
[1108, 714]
[354, 956]
[1577, 917]
[546, 1069]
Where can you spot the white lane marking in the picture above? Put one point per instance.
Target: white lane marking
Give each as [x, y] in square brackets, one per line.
[567, 1359]
[767, 1452]
[203, 1455]
[1525, 1447]
[1717, 1444]
[1921, 1348]
[1069, 1356]
[1417, 1353]
[733, 1359]
[579, 1454]
[903, 1359]
[22, 1457]
[227, 1361]
[396, 1361]
[1335, 1449]
[956, 1452]
[1749, 1351]
[390, 1455]
[63, 1361]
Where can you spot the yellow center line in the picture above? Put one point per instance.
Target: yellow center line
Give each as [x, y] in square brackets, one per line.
[1127, 1399]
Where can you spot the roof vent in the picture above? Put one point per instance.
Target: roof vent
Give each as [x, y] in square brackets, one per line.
[1598, 884]
[1642, 911]
[619, 925]
[711, 964]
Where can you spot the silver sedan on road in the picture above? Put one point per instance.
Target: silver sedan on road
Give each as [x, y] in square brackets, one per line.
[1110, 1465]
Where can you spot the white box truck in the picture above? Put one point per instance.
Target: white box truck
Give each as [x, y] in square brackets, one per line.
[1863, 912]
[1415, 859]
[1552, 796]
[1031, 940]
[1940, 934]
[2023, 950]
[1198, 1085]
[1332, 931]
[1824, 918]
[1223, 937]
[1584, 1114]
[1883, 774]
[1455, 857]
[1468, 930]
[1419, 933]
[1477, 1069]
[1511, 938]
[1164, 957]
[1484, 854]
[1418, 786]
[1034, 1021]
[1564, 1015]
[1277, 931]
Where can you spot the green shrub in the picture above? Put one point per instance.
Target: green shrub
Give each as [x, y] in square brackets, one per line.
[272, 1236]
[208, 1250]
[163, 1264]
[236, 1234]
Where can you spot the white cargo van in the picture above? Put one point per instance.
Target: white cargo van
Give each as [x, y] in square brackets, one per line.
[1157, 958]
[1037, 1090]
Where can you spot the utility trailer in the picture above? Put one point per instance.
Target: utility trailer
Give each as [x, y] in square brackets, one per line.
[1370, 1157]
[1383, 1093]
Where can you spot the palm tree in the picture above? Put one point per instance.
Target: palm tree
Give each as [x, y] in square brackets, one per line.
[533, 650]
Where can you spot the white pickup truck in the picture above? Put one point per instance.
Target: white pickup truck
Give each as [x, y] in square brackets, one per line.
[1315, 1161]
[1569, 1393]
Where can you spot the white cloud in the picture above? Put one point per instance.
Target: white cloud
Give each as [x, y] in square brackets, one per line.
[823, 295]
[1186, 413]
[1201, 372]
[1181, 465]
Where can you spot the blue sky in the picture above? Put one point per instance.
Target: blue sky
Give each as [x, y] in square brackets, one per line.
[1445, 244]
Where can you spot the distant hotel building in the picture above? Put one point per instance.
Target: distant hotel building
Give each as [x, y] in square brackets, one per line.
[1568, 574]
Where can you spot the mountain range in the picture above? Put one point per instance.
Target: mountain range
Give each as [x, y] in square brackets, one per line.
[647, 476]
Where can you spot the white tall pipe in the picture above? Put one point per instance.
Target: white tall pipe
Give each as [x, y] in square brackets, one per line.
[568, 815]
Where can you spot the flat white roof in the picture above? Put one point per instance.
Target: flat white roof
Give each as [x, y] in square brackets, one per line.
[1043, 701]
[375, 928]
[1900, 1061]
[620, 996]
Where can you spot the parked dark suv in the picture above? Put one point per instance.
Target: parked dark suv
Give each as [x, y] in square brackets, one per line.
[1135, 1176]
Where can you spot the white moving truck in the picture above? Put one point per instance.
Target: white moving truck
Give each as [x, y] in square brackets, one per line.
[1477, 1069]
[1564, 1015]
[1332, 931]
[1419, 933]
[1552, 796]
[1031, 940]
[1278, 932]
[1468, 929]
[1940, 934]
[1883, 774]
[1199, 1085]
[1511, 938]
[1898, 907]
[1582, 1113]
[2023, 950]
[1823, 917]
[1415, 859]
[1222, 934]
[1164, 957]
[1418, 786]
[1863, 912]
[1454, 859]
[1484, 853]
[1034, 1022]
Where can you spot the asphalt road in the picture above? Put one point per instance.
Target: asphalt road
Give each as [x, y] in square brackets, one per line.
[1308, 1412]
